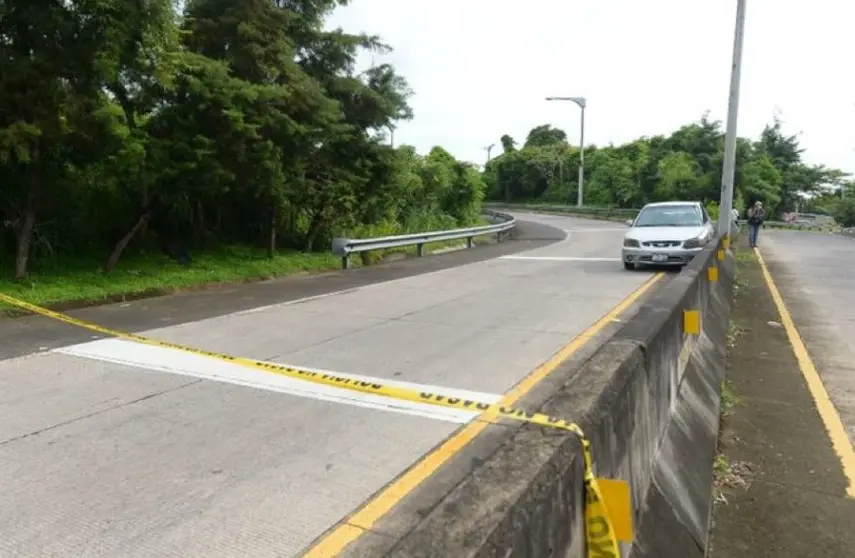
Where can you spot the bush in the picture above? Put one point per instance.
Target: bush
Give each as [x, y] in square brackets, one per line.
[712, 209]
[844, 213]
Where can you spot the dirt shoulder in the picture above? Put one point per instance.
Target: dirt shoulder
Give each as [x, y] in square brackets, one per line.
[780, 486]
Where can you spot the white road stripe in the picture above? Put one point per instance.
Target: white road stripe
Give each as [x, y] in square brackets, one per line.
[162, 359]
[293, 302]
[559, 258]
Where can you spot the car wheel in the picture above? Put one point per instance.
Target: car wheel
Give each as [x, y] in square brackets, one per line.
[628, 266]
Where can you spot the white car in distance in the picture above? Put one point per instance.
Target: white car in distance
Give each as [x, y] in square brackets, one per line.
[667, 234]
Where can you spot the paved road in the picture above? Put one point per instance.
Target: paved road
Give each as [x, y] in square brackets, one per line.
[816, 276]
[113, 449]
[31, 334]
[794, 502]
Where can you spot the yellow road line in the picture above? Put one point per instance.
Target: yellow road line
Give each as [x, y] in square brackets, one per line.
[372, 511]
[830, 417]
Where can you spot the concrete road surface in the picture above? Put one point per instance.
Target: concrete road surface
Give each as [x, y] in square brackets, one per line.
[108, 448]
[816, 276]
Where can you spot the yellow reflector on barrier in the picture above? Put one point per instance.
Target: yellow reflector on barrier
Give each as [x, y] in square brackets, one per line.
[725, 242]
[599, 530]
[720, 255]
[618, 501]
[712, 273]
[692, 322]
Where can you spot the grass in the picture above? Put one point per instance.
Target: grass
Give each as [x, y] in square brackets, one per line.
[721, 466]
[742, 257]
[733, 334]
[81, 279]
[745, 256]
[729, 397]
[368, 258]
[727, 474]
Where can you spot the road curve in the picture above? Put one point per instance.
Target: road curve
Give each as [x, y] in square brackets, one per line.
[117, 449]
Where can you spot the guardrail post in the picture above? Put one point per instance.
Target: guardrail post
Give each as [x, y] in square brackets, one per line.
[345, 262]
[470, 241]
[420, 249]
[498, 237]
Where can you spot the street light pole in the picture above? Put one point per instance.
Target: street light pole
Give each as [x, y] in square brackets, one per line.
[725, 217]
[581, 192]
[582, 102]
[489, 148]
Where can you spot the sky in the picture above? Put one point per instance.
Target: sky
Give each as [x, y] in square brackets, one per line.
[481, 69]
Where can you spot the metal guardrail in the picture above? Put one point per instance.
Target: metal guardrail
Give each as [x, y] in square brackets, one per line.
[344, 247]
[814, 227]
[797, 226]
[607, 213]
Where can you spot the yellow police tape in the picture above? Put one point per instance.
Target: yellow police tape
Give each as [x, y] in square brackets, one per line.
[601, 536]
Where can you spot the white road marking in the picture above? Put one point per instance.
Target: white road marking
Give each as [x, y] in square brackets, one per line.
[163, 359]
[293, 302]
[560, 259]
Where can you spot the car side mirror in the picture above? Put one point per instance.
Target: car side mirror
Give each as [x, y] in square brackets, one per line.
[629, 222]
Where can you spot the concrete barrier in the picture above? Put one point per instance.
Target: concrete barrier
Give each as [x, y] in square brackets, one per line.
[649, 401]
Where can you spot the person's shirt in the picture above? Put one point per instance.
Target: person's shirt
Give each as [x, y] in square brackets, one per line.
[755, 215]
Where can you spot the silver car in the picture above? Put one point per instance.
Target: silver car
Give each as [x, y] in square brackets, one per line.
[667, 233]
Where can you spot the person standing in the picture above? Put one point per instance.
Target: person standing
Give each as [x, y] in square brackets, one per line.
[734, 223]
[756, 216]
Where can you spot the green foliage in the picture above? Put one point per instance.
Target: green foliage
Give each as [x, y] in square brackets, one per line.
[685, 165]
[844, 212]
[713, 210]
[136, 127]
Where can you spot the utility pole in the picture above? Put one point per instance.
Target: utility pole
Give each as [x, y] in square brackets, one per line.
[582, 102]
[729, 168]
[488, 149]
[391, 135]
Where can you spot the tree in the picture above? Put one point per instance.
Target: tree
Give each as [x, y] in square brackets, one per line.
[679, 176]
[545, 135]
[53, 57]
[762, 183]
[844, 212]
[508, 143]
[225, 122]
[686, 164]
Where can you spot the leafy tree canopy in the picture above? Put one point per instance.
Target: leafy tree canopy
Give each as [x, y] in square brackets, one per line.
[684, 165]
[127, 123]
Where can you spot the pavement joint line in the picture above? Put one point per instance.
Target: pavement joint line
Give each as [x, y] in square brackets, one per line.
[770, 400]
[559, 258]
[380, 320]
[801, 488]
[172, 361]
[299, 300]
[363, 519]
[386, 320]
[594, 230]
[824, 405]
[96, 413]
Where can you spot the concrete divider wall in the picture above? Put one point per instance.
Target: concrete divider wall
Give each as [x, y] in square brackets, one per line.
[649, 400]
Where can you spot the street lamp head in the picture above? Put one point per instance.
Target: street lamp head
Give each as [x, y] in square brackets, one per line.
[581, 101]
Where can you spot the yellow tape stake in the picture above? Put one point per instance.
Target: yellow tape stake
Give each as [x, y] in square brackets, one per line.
[600, 531]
